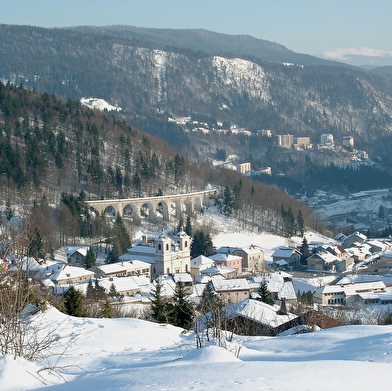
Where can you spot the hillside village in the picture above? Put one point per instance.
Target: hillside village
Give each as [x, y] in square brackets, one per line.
[330, 275]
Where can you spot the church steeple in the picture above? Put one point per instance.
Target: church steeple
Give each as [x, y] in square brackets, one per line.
[183, 240]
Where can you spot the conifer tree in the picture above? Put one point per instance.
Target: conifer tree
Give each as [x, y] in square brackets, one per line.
[211, 308]
[73, 302]
[305, 253]
[188, 226]
[106, 308]
[89, 260]
[158, 305]
[182, 309]
[264, 293]
[201, 244]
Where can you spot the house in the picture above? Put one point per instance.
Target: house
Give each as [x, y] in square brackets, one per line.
[253, 317]
[359, 252]
[219, 270]
[349, 294]
[252, 258]
[231, 290]
[199, 264]
[165, 255]
[335, 249]
[377, 246]
[123, 268]
[279, 284]
[291, 255]
[126, 286]
[229, 260]
[76, 256]
[326, 261]
[354, 238]
[315, 318]
[186, 280]
[65, 275]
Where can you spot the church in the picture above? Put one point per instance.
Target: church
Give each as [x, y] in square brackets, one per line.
[166, 255]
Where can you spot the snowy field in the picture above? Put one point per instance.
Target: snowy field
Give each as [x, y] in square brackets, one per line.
[130, 354]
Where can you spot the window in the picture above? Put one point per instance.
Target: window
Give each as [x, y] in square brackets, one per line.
[186, 243]
[159, 247]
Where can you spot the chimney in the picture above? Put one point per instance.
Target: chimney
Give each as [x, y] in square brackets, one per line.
[282, 309]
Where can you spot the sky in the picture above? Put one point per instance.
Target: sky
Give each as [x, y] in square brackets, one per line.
[304, 26]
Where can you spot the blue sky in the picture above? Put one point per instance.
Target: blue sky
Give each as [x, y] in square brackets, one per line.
[305, 26]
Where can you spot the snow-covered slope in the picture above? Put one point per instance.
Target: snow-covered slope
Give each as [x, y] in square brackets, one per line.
[360, 56]
[130, 354]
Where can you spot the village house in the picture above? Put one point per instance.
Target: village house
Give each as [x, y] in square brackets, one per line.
[129, 286]
[229, 260]
[123, 268]
[253, 317]
[76, 256]
[125, 286]
[314, 318]
[252, 258]
[279, 284]
[291, 256]
[359, 252]
[324, 261]
[377, 246]
[353, 239]
[231, 290]
[218, 270]
[199, 264]
[335, 249]
[349, 294]
[186, 280]
[65, 275]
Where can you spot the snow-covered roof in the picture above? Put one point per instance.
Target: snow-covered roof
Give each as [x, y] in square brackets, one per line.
[183, 277]
[72, 250]
[326, 256]
[232, 284]
[118, 267]
[281, 262]
[226, 249]
[252, 249]
[201, 260]
[224, 257]
[218, 269]
[260, 312]
[70, 272]
[284, 252]
[121, 283]
[142, 250]
[353, 289]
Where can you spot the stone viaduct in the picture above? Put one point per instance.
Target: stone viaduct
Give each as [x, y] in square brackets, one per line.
[164, 204]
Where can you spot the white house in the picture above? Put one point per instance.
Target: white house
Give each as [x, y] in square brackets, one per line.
[123, 268]
[231, 290]
[199, 264]
[348, 294]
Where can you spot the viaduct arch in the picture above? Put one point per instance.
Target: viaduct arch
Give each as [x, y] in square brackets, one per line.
[192, 201]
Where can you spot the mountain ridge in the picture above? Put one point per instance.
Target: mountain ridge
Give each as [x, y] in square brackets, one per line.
[153, 82]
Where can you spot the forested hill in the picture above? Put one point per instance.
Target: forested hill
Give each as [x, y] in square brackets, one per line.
[49, 146]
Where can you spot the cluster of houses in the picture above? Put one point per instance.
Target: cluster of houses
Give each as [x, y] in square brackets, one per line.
[235, 274]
